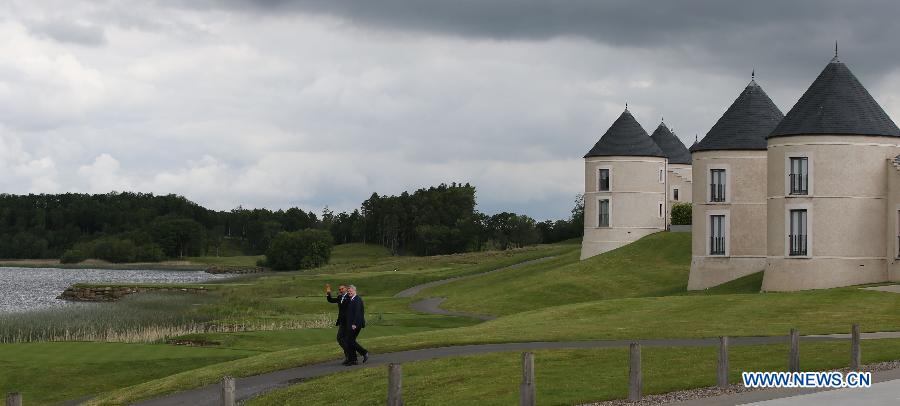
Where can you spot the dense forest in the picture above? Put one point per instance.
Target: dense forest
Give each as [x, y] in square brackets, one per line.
[145, 227]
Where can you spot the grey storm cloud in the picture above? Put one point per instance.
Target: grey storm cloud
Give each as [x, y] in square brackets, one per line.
[730, 34]
[68, 31]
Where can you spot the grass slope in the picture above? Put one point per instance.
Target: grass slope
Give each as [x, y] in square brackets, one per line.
[48, 373]
[656, 265]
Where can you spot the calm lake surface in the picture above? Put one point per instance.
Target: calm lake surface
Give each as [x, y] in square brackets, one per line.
[24, 289]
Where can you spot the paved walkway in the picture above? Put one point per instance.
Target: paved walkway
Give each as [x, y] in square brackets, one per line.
[418, 288]
[886, 288]
[251, 386]
[432, 305]
[885, 391]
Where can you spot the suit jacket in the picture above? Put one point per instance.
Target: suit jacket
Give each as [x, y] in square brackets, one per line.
[342, 301]
[356, 312]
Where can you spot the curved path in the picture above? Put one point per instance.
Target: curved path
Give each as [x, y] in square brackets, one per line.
[418, 288]
[252, 386]
[432, 305]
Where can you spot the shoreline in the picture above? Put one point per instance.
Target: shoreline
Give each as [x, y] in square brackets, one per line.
[123, 267]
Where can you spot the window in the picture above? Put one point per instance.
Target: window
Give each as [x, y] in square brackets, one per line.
[799, 176]
[660, 209]
[798, 236]
[717, 185]
[717, 235]
[603, 217]
[604, 180]
[675, 194]
[662, 178]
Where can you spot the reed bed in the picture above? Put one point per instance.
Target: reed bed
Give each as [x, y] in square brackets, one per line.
[146, 318]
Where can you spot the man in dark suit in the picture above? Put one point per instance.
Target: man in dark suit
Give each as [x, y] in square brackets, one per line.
[355, 320]
[342, 302]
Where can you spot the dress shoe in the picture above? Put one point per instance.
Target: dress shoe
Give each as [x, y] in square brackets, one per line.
[365, 357]
[351, 363]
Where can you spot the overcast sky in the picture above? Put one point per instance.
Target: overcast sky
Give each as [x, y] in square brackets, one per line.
[312, 103]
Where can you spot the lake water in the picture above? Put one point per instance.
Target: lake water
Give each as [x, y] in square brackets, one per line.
[23, 289]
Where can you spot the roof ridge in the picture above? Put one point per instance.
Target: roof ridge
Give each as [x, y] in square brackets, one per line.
[625, 137]
[671, 145]
[745, 123]
[836, 103]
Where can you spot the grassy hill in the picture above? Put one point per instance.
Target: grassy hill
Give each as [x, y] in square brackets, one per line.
[657, 265]
[637, 291]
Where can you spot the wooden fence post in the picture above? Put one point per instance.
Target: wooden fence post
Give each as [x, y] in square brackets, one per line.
[722, 370]
[634, 376]
[227, 391]
[794, 356]
[13, 399]
[395, 385]
[855, 355]
[527, 390]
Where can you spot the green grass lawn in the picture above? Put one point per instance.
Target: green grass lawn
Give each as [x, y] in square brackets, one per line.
[813, 312]
[48, 373]
[633, 292]
[257, 299]
[637, 291]
[239, 260]
[657, 265]
[563, 377]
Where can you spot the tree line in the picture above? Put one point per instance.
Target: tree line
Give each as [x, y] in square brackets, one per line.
[130, 226]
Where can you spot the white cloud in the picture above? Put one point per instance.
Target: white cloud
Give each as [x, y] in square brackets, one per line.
[102, 175]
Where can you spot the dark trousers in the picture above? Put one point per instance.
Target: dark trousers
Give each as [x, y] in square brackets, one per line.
[342, 340]
[352, 347]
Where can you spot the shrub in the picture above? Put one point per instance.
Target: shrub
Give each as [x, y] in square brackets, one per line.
[299, 250]
[681, 214]
[114, 250]
[73, 256]
[149, 253]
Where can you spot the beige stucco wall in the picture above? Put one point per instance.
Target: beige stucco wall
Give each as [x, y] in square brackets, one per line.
[745, 210]
[678, 176]
[635, 193]
[847, 212]
[893, 222]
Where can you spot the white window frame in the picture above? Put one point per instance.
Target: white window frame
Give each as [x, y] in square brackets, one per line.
[709, 214]
[675, 193]
[787, 173]
[661, 209]
[662, 175]
[609, 169]
[728, 183]
[896, 243]
[609, 223]
[809, 230]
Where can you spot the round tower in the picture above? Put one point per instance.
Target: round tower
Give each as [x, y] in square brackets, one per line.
[624, 188]
[679, 188]
[729, 208]
[828, 188]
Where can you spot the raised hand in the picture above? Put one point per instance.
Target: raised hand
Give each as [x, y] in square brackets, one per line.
[327, 288]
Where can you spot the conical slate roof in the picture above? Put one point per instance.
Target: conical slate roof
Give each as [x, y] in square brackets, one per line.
[745, 124]
[671, 145]
[836, 103]
[625, 137]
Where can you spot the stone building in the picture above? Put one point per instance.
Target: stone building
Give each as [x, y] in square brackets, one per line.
[832, 211]
[679, 173]
[625, 188]
[814, 204]
[729, 208]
